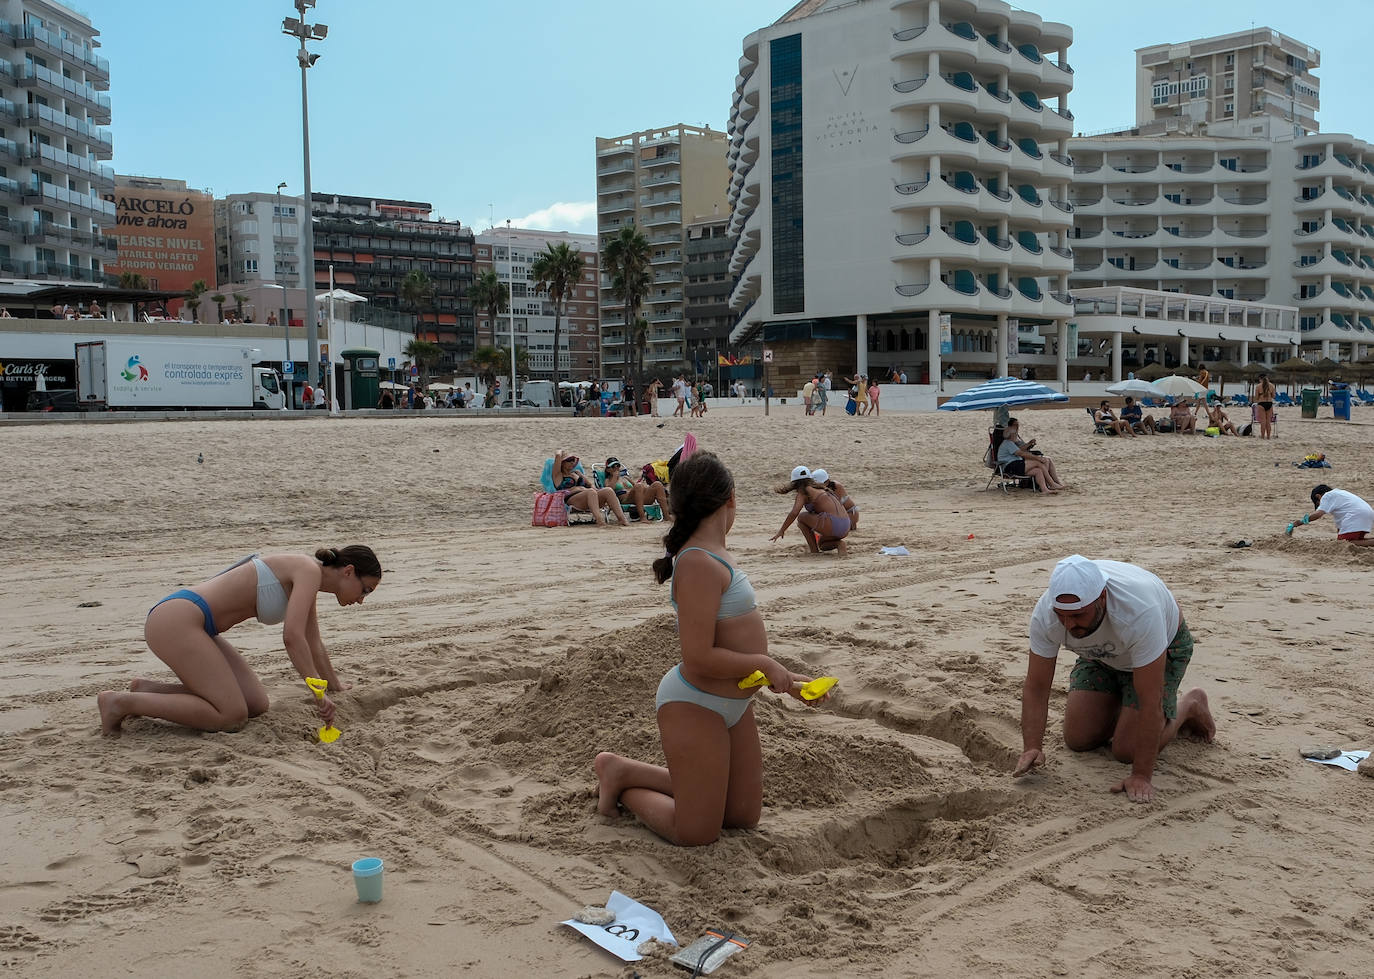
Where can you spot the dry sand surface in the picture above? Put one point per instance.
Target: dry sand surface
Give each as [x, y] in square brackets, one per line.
[496, 659]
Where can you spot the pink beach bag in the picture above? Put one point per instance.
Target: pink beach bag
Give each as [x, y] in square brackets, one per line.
[550, 510]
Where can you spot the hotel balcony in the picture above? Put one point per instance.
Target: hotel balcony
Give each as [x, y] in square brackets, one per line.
[49, 120]
[80, 55]
[40, 79]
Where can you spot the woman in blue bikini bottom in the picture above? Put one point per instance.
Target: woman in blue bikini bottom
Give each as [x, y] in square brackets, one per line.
[218, 691]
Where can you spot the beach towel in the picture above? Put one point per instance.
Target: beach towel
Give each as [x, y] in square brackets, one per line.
[546, 477]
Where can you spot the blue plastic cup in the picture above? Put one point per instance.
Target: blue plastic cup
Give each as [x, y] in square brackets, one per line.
[367, 878]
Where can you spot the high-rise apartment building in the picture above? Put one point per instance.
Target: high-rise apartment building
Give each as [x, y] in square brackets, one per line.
[511, 254]
[899, 184]
[260, 238]
[1249, 83]
[1287, 222]
[55, 221]
[706, 268]
[374, 244]
[657, 180]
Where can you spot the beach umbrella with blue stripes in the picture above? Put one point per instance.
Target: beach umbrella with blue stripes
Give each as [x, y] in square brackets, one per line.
[1002, 391]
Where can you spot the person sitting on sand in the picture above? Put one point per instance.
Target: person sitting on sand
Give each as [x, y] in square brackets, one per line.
[1354, 517]
[640, 494]
[218, 690]
[1183, 419]
[1133, 647]
[822, 478]
[579, 493]
[1216, 418]
[1016, 458]
[818, 512]
[714, 777]
[1104, 417]
[1132, 415]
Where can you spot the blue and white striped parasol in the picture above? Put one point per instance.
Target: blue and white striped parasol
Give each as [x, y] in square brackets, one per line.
[1002, 391]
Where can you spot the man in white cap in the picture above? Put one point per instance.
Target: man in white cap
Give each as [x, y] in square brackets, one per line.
[1133, 648]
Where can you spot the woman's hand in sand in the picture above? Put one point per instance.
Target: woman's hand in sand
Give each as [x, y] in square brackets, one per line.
[1136, 787]
[1034, 758]
[777, 536]
[326, 708]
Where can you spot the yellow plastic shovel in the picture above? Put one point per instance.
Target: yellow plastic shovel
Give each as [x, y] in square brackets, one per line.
[813, 690]
[329, 733]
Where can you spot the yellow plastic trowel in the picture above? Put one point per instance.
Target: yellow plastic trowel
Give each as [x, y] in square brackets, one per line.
[329, 733]
[813, 690]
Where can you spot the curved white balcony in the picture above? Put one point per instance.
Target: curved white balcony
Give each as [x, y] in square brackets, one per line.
[920, 195]
[1327, 266]
[1123, 238]
[1328, 167]
[1318, 202]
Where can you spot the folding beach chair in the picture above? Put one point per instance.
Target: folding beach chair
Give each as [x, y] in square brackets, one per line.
[1003, 479]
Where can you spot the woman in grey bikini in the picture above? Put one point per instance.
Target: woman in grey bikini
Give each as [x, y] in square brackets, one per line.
[218, 690]
[714, 777]
[820, 515]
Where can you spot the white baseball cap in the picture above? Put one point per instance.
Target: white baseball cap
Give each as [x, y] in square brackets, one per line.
[800, 472]
[1076, 582]
[820, 476]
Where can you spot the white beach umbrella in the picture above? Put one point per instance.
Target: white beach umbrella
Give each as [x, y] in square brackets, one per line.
[1132, 386]
[340, 296]
[1175, 386]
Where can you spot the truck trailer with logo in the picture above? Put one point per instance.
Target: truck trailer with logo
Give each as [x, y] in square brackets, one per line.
[177, 375]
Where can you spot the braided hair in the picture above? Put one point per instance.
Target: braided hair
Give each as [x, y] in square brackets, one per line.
[365, 563]
[701, 486]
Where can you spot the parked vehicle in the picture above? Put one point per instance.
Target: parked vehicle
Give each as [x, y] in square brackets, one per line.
[63, 399]
[173, 374]
[538, 393]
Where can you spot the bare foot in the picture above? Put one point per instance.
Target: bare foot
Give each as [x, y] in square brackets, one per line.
[111, 715]
[609, 769]
[843, 548]
[138, 683]
[1197, 716]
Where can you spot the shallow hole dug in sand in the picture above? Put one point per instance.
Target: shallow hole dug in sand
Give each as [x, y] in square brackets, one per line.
[914, 832]
[975, 734]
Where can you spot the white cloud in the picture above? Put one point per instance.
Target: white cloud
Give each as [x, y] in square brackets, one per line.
[578, 217]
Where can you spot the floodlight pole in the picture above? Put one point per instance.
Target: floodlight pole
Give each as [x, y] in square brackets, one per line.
[299, 29]
[510, 305]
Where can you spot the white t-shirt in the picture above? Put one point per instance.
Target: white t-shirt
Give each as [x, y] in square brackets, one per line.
[1142, 618]
[1351, 513]
[320, 397]
[826, 382]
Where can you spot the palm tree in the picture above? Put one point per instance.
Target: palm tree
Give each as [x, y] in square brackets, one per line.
[489, 363]
[218, 299]
[416, 290]
[239, 300]
[489, 293]
[132, 280]
[424, 355]
[557, 271]
[626, 260]
[198, 289]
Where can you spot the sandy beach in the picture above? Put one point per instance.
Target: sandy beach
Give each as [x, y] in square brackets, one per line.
[496, 659]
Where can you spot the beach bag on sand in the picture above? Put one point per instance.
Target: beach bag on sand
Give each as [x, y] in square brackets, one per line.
[550, 510]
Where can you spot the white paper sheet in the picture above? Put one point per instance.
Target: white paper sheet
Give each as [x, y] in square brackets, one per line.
[898, 551]
[1349, 760]
[634, 924]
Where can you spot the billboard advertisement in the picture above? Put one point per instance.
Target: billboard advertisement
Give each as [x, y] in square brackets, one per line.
[166, 236]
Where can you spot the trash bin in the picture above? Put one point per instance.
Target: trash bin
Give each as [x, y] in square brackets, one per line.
[1340, 402]
[362, 388]
[1311, 398]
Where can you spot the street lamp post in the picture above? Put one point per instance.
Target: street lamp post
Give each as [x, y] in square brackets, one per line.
[510, 306]
[297, 27]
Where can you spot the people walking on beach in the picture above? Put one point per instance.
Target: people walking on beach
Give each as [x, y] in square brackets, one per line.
[218, 691]
[654, 389]
[822, 518]
[1133, 648]
[860, 383]
[1265, 393]
[714, 776]
[308, 396]
[1354, 516]
[873, 392]
[680, 392]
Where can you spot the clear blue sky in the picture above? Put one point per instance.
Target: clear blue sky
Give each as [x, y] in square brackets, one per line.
[489, 108]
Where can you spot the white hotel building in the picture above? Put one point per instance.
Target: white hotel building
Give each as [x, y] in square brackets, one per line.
[897, 163]
[55, 223]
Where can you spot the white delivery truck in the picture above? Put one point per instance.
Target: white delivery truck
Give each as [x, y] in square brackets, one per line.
[147, 373]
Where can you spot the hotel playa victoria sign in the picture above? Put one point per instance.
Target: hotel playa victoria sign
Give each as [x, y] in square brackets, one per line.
[845, 127]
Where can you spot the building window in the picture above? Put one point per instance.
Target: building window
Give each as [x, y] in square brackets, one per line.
[250, 265]
[1229, 109]
[785, 105]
